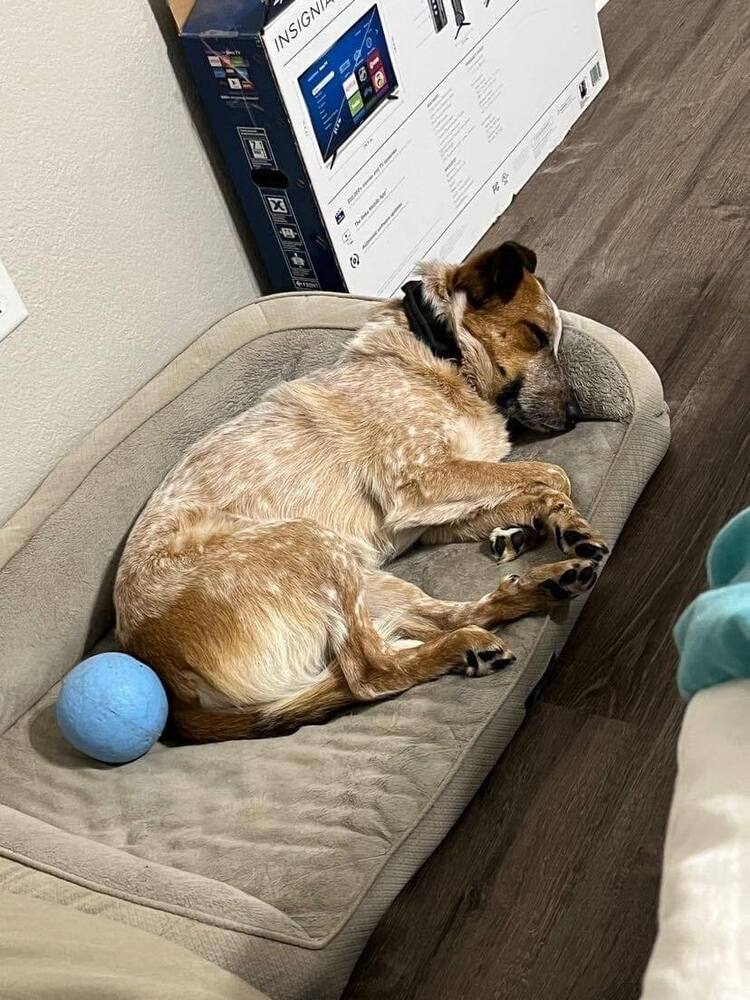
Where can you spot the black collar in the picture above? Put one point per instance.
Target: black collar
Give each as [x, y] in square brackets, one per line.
[427, 326]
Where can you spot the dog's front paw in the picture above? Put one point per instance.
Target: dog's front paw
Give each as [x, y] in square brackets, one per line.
[576, 537]
[486, 654]
[509, 543]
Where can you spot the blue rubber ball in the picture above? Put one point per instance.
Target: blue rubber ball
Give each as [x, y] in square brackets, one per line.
[112, 707]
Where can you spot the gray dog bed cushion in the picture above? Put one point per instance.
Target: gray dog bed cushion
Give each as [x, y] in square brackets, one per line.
[272, 858]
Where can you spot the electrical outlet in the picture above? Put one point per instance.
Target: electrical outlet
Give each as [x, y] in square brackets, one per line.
[12, 310]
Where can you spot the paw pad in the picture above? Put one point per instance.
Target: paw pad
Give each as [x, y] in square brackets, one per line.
[485, 661]
[574, 580]
[508, 543]
[582, 544]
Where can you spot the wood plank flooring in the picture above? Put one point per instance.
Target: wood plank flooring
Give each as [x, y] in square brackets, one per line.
[547, 887]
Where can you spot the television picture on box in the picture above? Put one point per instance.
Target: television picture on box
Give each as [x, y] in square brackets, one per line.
[347, 83]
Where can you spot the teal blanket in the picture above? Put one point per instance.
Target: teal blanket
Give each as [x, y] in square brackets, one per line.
[713, 633]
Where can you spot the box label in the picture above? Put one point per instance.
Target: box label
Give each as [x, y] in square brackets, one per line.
[257, 147]
[231, 72]
[290, 239]
[416, 138]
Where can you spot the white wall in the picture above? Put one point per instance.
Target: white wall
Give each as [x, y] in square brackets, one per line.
[112, 224]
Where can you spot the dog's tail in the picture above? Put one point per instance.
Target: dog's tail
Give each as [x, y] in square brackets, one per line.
[316, 703]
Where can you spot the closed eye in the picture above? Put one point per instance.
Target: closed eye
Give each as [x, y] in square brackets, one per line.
[510, 393]
[541, 335]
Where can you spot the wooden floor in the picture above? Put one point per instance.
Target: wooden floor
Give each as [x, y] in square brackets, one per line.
[547, 887]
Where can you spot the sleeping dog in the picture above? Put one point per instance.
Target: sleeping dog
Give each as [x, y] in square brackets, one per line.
[253, 580]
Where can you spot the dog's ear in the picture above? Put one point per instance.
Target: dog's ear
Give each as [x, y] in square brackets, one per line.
[528, 257]
[496, 272]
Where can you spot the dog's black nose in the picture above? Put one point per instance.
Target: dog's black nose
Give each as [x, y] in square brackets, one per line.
[572, 415]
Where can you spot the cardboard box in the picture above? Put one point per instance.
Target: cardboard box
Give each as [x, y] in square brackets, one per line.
[365, 136]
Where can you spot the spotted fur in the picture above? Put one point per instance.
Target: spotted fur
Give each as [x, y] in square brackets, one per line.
[253, 580]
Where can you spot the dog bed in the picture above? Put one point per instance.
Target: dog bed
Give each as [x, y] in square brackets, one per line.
[272, 858]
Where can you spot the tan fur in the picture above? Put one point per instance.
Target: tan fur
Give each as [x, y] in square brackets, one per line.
[252, 581]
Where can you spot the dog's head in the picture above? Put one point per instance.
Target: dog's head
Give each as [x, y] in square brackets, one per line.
[509, 330]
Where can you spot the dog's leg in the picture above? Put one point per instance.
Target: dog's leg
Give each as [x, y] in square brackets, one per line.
[375, 671]
[278, 634]
[402, 609]
[376, 668]
[453, 637]
[514, 503]
[523, 524]
[512, 528]
[365, 668]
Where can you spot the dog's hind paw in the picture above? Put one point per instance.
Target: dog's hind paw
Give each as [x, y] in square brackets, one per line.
[487, 661]
[565, 580]
[486, 656]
